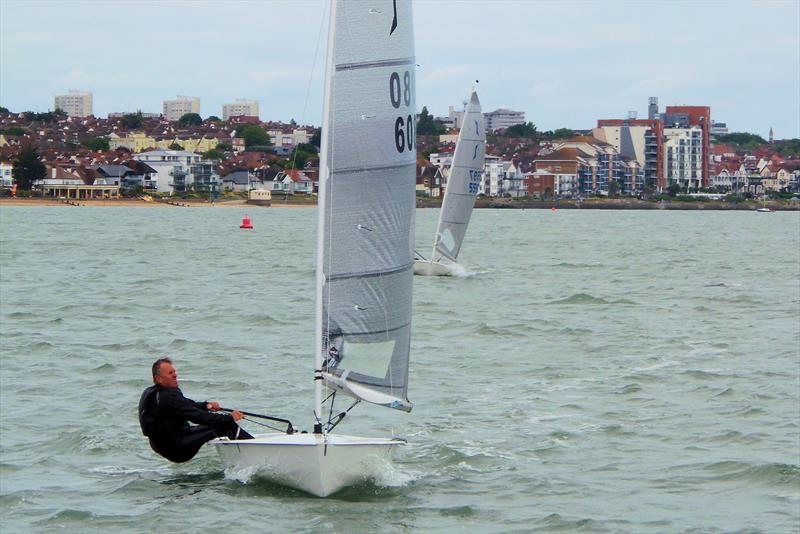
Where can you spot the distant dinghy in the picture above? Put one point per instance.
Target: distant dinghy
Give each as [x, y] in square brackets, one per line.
[463, 184]
[364, 253]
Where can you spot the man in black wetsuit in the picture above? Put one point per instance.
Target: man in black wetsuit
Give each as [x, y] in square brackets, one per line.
[164, 415]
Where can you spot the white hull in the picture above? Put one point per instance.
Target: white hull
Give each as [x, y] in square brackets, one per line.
[432, 268]
[320, 465]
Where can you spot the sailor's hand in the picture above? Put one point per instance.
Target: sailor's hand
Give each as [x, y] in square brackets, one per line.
[213, 406]
[237, 415]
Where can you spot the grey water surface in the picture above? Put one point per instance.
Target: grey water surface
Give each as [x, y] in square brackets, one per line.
[590, 371]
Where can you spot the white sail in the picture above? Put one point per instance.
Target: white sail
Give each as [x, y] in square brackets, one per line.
[366, 207]
[364, 261]
[462, 184]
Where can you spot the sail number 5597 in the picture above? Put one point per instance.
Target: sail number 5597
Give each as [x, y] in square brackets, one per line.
[399, 94]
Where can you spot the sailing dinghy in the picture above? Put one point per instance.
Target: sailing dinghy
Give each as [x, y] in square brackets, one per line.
[459, 196]
[364, 252]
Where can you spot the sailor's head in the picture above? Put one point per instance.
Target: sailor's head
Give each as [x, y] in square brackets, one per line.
[164, 373]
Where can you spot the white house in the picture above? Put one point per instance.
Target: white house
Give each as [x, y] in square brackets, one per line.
[173, 168]
[292, 182]
[502, 178]
[241, 181]
[6, 169]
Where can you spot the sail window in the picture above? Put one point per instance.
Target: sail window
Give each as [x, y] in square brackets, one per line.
[446, 239]
[371, 359]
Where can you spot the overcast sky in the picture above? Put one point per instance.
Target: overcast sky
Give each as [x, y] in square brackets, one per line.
[564, 63]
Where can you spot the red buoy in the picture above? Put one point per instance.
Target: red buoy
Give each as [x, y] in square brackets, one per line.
[246, 223]
[553, 208]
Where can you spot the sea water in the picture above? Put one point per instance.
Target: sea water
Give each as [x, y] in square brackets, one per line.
[587, 371]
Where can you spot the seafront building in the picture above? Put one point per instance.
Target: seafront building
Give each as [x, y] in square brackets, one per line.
[6, 169]
[177, 108]
[75, 103]
[180, 171]
[683, 158]
[641, 140]
[240, 108]
[585, 165]
[690, 117]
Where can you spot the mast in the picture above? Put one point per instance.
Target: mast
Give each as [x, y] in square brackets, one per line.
[323, 180]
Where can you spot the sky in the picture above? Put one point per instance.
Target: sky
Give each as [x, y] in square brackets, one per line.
[564, 63]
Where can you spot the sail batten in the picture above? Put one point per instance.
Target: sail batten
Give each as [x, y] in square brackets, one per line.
[367, 202]
[344, 276]
[372, 64]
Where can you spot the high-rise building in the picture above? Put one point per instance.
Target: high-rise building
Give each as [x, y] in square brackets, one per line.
[503, 118]
[175, 109]
[240, 108]
[684, 157]
[695, 116]
[75, 103]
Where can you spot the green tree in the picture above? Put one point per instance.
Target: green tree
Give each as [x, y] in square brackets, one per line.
[28, 168]
[190, 119]
[563, 133]
[788, 147]
[316, 139]
[4, 110]
[213, 118]
[613, 188]
[427, 125]
[253, 135]
[14, 130]
[214, 153]
[526, 130]
[47, 117]
[225, 147]
[98, 144]
[301, 154]
[175, 146]
[742, 140]
[133, 121]
[673, 189]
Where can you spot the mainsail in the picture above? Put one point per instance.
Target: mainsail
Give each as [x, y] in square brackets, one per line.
[367, 199]
[462, 184]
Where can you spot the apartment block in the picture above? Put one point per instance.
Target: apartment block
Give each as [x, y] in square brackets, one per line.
[588, 165]
[684, 159]
[699, 117]
[240, 108]
[175, 109]
[503, 118]
[640, 140]
[75, 103]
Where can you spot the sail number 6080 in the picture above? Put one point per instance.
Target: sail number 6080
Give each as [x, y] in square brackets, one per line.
[400, 93]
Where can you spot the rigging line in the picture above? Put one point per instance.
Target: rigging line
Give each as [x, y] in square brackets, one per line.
[264, 424]
[310, 80]
[330, 413]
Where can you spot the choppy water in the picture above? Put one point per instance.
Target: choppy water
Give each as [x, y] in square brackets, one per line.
[592, 371]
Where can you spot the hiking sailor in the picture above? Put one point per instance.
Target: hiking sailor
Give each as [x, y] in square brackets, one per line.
[164, 415]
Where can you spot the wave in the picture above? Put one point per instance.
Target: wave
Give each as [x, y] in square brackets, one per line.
[487, 330]
[778, 474]
[585, 298]
[569, 265]
[581, 298]
[22, 315]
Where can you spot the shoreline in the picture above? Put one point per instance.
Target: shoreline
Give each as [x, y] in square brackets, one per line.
[138, 203]
[592, 204]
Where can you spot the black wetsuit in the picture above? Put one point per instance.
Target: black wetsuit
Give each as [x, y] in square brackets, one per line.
[164, 415]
